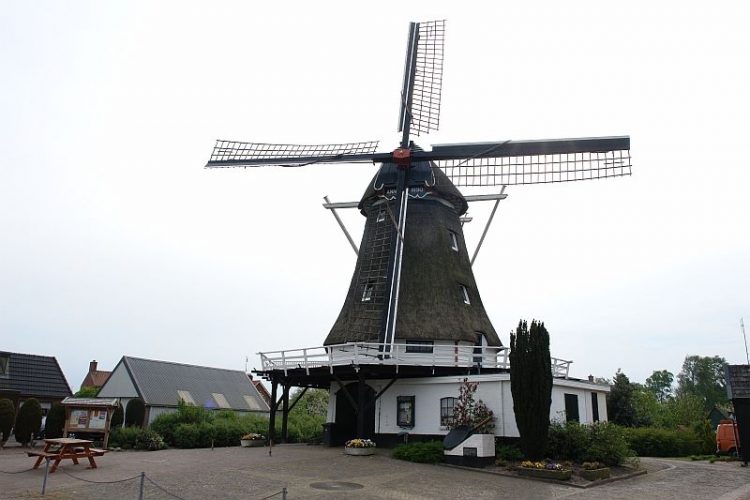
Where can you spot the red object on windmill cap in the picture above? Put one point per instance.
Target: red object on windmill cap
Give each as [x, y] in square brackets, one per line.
[402, 157]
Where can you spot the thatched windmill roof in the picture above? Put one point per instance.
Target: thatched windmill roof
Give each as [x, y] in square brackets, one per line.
[431, 302]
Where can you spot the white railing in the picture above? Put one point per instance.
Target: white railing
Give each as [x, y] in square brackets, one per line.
[369, 353]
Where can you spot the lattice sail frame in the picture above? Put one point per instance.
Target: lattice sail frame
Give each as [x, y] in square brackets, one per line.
[428, 78]
[245, 154]
[536, 169]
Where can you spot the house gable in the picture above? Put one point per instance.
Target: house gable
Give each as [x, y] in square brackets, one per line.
[119, 384]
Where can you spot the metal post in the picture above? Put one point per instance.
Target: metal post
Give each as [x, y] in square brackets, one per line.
[343, 228]
[487, 227]
[140, 487]
[283, 493]
[46, 471]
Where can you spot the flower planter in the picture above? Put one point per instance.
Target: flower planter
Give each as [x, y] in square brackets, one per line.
[359, 452]
[594, 474]
[561, 475]
[252, 443]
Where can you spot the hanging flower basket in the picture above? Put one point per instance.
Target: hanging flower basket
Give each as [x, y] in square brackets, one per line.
[359, 447]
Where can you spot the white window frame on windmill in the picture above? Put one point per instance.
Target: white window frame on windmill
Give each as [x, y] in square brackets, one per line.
[454, 240]
[465, 294]
[447, 409]
[381, 216]
[367, 291]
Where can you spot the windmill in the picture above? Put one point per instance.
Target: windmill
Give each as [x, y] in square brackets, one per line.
[413, 281]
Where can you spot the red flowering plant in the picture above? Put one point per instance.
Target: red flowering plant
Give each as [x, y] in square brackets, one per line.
[471, 412]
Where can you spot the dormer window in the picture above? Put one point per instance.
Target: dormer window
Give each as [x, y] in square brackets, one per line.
[454, 241]
[465, 294]
[367, 292]
[381, 216]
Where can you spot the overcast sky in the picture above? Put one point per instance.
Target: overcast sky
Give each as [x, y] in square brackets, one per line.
[116, 241]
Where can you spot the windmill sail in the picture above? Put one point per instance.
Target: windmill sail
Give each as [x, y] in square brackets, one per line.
[258, 154]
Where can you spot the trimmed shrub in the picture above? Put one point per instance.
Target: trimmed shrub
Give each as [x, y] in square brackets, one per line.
[135, 438]
[135, 413]
[28, 421]
[7, 417]
[657, 442]
[146, 439]
[118, 416]
[123, 437]
[430, 452]
[600, 442]
[568, 441]
[607, 444]
[508, 452]
[55, 423]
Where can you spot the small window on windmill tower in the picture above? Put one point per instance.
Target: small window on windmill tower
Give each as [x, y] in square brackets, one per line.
[367, 292]
[465, 294]
[381, 216]
[454, 241]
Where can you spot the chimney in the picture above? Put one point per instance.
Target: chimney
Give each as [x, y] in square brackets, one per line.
[591, 378]
[92, 366]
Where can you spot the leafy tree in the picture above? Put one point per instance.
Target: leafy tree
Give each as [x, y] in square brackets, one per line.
[531, 386]
[646, 409]
[703, 377]
[7, 417]
[470, 412]
[28, 421]
[620, 401]
[135, 412]
[660, 384]
[86, 392]
[313, 402]
[55, 423]
[684, 410]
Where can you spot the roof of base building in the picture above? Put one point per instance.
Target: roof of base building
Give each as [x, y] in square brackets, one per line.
[164, 383]
[32, 375]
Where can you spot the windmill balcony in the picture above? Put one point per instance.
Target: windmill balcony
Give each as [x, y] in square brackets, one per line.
[368, 353]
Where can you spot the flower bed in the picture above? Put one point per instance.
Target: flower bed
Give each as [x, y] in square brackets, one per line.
[592, 471]
[544, 470]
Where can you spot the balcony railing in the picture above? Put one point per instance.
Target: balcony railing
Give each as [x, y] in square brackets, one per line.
[367, 353]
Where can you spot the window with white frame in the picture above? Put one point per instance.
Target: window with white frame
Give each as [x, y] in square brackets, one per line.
[454, 240]
[185, 396]
[464, 294]
[381, 216]
[367, 292]
[447, 406]
[405, 411]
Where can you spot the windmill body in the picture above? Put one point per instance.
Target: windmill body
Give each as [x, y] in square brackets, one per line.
[413, 324]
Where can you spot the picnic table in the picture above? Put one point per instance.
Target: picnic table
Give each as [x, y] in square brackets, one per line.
[60, 449]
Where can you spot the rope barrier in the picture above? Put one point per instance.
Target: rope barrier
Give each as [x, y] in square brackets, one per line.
[16, 472]
[97, 482]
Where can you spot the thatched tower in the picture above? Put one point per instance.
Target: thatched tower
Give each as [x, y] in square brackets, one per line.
[438, 298]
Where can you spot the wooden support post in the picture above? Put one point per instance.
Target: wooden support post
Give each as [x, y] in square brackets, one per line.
[360, 408]
[274, 405]
[285, 415]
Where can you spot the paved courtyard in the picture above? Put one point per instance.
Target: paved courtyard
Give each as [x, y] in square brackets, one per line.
[250, 473]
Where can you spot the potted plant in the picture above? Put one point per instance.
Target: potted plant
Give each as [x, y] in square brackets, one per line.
[544, 470]
[359, 447]
[252, 440]
[592, 471]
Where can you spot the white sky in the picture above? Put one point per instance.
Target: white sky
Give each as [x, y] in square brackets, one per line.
[115, 240]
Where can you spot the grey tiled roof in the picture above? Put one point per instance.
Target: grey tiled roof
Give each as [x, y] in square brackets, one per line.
[34, 376]
[157, 382]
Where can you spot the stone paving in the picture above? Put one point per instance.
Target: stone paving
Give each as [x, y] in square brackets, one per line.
[250, 473]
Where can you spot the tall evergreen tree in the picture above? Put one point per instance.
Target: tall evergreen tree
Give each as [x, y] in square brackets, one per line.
[531, 385]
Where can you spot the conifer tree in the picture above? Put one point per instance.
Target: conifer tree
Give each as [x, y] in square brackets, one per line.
[531, 385]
